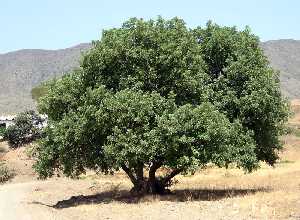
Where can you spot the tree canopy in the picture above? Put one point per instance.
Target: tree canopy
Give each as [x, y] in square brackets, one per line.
[155, 94]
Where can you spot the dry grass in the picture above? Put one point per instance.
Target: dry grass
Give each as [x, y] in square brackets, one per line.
[3, 147]
[269, 193]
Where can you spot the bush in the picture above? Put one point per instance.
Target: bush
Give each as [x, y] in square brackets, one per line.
[27, 128]
[5, 173]
[295, 131]
[2, 131]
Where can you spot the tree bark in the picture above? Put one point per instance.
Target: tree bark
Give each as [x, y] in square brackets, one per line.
[139, 172]
[152, 184]
[140, 186]
[129, 173]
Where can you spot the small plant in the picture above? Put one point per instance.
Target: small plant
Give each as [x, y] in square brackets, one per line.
[296, 132]
[2, 130]
[293, 130]
[285, 161]
[31, 150]
[5, 173]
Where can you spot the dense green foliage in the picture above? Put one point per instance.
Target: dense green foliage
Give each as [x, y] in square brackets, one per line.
[156, 94]
[27, 127]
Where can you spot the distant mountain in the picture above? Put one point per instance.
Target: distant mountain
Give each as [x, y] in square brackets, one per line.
[22, 70]
[284, 55]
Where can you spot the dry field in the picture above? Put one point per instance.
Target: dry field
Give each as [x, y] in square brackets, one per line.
[269, 193]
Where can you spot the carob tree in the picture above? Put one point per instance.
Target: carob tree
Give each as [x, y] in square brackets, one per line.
[155, 94]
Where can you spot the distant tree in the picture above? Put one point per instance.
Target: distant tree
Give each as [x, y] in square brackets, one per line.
[40, 90]
[155, 94]
[27, 127]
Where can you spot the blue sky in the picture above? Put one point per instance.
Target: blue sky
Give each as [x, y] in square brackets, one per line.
[53, 24]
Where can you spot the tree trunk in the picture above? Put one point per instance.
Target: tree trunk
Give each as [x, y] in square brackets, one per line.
[155, 186]
[146, 186]
[152, 184]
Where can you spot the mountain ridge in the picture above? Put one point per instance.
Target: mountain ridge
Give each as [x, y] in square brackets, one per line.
[80, 45]
[24, 69]
[284, 55]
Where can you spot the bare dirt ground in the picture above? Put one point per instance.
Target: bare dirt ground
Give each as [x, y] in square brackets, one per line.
[269, 193]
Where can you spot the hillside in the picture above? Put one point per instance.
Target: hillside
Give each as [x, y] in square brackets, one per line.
[21, 70]
[284, 55]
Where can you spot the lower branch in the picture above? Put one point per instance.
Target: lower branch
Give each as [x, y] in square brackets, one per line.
[130, 174]
[169, 176]
[153, 169]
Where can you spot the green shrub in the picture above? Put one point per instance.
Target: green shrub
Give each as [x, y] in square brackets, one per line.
[293, 130]
[26, 129]
[296, 132]
[2, 131]
[5, 173]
